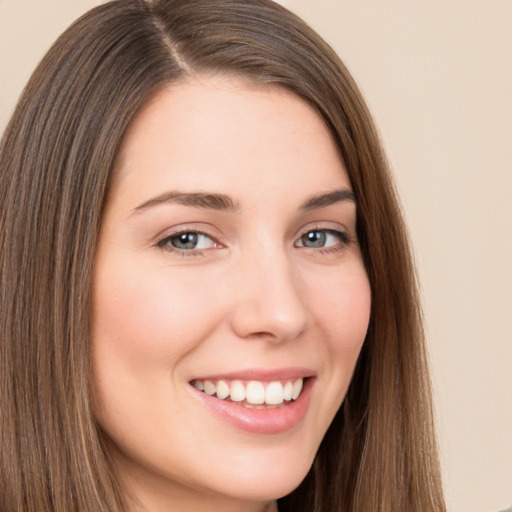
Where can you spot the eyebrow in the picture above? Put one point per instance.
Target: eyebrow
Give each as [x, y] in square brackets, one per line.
[328, 199]
[223, 202]
[196, 199]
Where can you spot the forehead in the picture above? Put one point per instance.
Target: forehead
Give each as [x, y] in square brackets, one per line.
[221, 133]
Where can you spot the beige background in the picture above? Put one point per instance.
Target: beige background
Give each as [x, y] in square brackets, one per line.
[438, 77]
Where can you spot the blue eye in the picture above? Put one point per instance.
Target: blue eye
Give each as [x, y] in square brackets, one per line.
[322, 238]
[188, 241]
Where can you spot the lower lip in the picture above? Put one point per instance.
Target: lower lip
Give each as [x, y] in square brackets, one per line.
[261, 421]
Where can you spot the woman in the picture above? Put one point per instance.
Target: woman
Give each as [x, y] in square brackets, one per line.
[208, 301]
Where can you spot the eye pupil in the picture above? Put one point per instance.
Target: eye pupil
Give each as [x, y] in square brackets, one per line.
[185, 241]
[314, 239]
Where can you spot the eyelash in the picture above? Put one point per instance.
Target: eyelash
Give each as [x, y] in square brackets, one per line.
[344, 241]
[164, 243]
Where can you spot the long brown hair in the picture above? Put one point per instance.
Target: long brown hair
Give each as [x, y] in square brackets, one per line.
[56, 159]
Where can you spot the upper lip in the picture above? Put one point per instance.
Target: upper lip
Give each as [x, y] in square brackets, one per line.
[261, 374]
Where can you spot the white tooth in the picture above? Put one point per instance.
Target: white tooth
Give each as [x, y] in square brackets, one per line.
[198, 385]
[297, 388]
[255, 393]
[287, 390]
[237, 391]
[274, 393]
[222, 390]
[209, 387]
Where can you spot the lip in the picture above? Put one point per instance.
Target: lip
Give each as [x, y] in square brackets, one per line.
[261, 421]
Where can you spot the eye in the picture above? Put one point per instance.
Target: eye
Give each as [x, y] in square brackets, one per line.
[322, 239]
[188, 241]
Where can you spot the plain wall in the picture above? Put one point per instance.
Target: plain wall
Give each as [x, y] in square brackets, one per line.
[438, 78]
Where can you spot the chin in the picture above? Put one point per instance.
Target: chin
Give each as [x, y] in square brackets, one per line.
[263, 482]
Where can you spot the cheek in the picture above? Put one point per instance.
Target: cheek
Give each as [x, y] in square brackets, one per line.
[343, 312]
[143, 325]
[141, 315]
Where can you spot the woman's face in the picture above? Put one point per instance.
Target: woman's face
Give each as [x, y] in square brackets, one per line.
[227, 261]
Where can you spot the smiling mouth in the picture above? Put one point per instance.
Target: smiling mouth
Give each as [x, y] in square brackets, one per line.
[252, 394]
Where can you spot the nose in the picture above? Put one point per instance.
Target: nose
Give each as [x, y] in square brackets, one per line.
[271, 300]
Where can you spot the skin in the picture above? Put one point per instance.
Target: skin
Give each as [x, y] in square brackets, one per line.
[253, 295]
